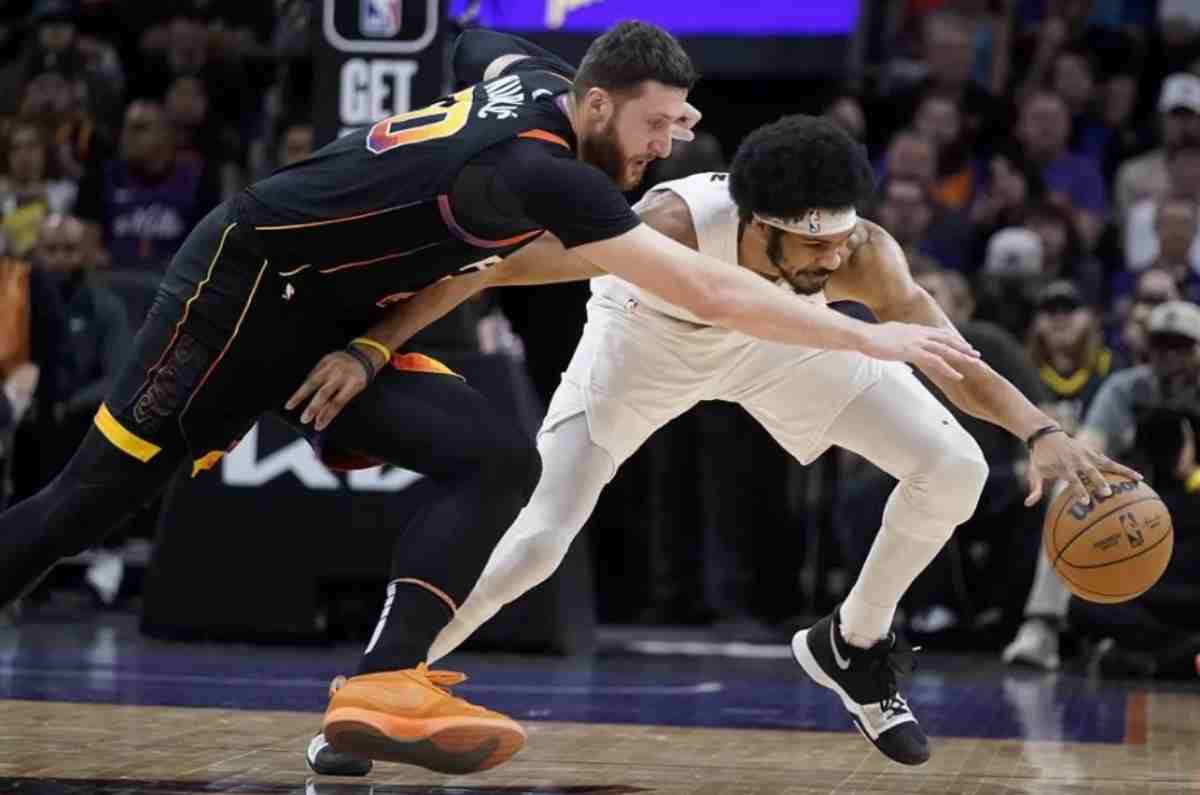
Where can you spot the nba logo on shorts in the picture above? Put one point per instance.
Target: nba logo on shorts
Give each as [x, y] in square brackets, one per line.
[379, 19]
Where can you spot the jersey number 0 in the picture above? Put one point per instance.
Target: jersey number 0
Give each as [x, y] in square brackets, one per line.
[439, 120]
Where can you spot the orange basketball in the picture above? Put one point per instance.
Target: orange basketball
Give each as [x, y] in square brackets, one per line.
[1113, 549]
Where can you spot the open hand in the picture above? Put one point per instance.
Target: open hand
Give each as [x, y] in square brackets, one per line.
[333, 383]
[1058, 455]
[937, 351]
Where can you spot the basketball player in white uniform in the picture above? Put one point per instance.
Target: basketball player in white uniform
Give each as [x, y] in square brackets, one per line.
[785, 211]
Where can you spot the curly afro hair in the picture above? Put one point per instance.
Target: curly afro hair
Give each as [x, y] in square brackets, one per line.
[799, 163]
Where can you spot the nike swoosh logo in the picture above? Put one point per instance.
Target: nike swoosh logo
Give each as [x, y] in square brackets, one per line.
[316, 745]
[842, 662]
[541, 91]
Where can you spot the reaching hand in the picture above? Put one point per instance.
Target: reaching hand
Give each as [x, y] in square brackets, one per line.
[333, 383]
[1058, 455]
[681, 128]
[938, 351]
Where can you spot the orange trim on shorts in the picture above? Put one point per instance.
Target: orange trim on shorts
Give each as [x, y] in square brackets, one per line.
[438, 592]
[373, 260]
[544, 135]
[206, 461]
[229, 342]
[341, 220]
[420, 363]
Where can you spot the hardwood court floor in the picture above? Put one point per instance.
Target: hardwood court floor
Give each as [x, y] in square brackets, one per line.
[98, 709]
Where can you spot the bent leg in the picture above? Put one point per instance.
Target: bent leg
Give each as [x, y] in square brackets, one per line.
[899, 426]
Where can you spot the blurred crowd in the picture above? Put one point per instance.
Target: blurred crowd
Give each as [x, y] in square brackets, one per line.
[1038, 160]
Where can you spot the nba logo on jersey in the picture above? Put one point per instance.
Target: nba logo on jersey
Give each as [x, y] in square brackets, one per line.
[379, 19]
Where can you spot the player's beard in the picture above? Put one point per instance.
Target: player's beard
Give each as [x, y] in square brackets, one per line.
[775, 255]
[603, 150]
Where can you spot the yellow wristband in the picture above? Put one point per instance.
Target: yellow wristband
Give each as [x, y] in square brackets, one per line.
[1192, 484]
[378, 347]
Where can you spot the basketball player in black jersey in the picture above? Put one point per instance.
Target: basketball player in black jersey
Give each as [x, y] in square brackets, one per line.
[301, 268]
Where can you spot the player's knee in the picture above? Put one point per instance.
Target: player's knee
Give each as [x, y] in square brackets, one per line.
[956, 480]
[515, 467]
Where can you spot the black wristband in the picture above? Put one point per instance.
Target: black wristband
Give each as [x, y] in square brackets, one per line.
[364, 360]
[1045, 430]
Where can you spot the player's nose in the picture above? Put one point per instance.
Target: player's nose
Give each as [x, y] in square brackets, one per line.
[661, 146]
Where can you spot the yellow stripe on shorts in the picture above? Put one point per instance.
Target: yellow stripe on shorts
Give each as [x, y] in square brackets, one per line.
[122, 439]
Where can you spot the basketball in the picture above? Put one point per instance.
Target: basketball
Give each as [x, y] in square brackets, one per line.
[1113, 549]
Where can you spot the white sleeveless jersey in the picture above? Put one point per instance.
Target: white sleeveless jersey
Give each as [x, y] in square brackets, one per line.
[715, 218]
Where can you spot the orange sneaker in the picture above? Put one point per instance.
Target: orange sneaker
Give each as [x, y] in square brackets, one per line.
[406, 716]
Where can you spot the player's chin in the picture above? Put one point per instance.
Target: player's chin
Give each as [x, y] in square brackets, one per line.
[634, 174]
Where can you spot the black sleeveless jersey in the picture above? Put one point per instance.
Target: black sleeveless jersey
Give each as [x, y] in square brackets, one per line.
[387, 210]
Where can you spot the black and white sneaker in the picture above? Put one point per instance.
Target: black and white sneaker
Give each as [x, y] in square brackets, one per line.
[865, 680]
[326, 761]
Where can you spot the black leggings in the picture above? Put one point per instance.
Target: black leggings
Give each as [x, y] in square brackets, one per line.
[429, 423]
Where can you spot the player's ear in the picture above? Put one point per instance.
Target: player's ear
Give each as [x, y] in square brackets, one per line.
[598, 105]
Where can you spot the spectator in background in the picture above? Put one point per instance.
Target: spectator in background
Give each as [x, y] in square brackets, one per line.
[1169, 381]
[1143, 231]
[1151, 287]
[1010, 279]
[1063, 254]
[913, 157]
[847, 111]
[57, 46]
[181, 46]
[201, 137]
[1073, 79]
[98, 336]
[948, 49]
[27, 195]
[31, 332]
[57, 102]
[1044, 130]
[295, 142]
[939, 120]
[18, 374]
[906, 210]
[1145, 177]
[1014, 185]
[142, 204]
[1066, 344]
[1177, 233]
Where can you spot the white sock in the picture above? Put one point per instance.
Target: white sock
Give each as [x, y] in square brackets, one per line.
[894, 562]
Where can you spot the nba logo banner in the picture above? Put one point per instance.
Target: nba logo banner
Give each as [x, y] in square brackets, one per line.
[380, 19]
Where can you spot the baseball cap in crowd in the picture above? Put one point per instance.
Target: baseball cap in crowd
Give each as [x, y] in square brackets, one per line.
[1175, 319]
[1014, 251]
[1060, 296]
[1180, 91]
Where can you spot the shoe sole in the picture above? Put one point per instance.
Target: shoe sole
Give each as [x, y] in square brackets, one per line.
[325, 760]
[808, 662]
[444, 745]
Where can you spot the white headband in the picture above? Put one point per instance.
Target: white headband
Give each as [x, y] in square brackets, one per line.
[815, 222]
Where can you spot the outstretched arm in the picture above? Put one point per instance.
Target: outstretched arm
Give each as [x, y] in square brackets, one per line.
[878, 276]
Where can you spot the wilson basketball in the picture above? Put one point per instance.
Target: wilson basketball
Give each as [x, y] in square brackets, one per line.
[1113, 549]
